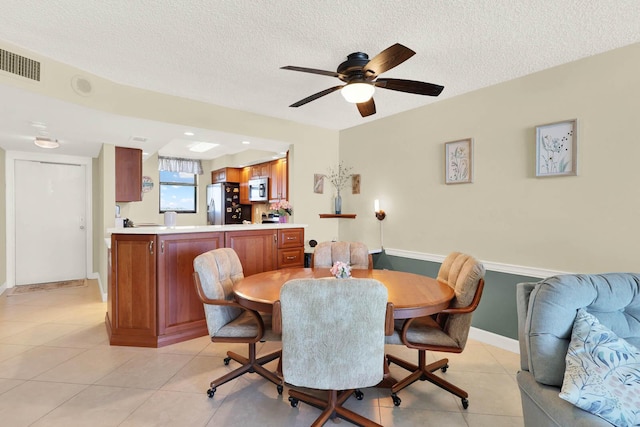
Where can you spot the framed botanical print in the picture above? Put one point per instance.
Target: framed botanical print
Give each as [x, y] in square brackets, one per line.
[458, 167]
[557, 149]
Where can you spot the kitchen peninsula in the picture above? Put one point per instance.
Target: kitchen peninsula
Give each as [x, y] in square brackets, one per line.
[152, 301]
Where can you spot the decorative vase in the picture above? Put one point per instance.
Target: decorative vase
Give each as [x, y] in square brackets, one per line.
[338, 204]
[282, 218]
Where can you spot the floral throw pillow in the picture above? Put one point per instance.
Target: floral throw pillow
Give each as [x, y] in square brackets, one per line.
[603, 373]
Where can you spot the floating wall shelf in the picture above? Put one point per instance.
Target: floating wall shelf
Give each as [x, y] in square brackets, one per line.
[350, 216]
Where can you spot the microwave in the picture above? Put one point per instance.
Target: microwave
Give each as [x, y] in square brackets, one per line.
[258, 190]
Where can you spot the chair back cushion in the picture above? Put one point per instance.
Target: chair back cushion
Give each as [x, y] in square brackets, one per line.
[326, 254]
[218, 270]
[613, 298]
[463, 273]
[333, 332]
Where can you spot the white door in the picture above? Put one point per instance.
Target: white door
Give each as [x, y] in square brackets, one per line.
[50, 205]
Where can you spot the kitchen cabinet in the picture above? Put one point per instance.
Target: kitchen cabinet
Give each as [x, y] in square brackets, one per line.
[290, 248]
[245, 173]
[128, 174]
[256, 249]
[131, 308]
[278, 181]
[180, 311]
[152, 301]
[261, 170]
[225, 175]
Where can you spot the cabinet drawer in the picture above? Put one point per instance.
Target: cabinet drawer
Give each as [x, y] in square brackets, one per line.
[290, 258]
[290, 238]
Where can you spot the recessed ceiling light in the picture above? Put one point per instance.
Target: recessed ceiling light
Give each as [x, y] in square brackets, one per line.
[188, 133]
[246, 142]
[201, 147]
[46, 142]
[38, 125]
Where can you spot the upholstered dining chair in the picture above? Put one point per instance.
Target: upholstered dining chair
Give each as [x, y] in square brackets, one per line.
[332, 339]
[227, 321]
[356, 254]
[447, 331]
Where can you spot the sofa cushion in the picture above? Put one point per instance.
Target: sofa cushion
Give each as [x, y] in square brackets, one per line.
[613, 298]
[603, 373]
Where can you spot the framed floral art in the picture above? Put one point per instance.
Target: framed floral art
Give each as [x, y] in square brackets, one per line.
[557, 149]
[458, 161]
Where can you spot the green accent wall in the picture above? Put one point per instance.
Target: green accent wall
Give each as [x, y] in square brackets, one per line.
[497, 310]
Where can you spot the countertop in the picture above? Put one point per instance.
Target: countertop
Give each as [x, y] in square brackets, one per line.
[201, 228]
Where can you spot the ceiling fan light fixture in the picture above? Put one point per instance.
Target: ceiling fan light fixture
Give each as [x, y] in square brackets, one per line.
[356, 93]
[46, 142]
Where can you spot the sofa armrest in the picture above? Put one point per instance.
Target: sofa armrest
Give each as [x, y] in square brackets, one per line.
[523, 292]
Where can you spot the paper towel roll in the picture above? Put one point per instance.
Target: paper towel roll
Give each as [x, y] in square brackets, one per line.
[170, 219]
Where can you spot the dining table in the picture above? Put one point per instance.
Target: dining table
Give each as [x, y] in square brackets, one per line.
[411, 295]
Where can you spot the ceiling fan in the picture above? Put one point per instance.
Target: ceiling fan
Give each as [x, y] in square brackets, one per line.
[361, 77]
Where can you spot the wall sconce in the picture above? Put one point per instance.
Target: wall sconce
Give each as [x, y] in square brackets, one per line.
[379, 212]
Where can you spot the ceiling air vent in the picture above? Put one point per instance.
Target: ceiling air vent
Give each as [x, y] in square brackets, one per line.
[20, 65]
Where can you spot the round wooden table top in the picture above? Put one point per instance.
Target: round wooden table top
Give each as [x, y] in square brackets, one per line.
[412, 295]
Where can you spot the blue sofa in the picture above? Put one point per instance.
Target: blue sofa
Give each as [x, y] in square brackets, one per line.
[546, 313]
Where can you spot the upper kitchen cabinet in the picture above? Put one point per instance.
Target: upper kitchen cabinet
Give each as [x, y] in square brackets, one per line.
[225, 175]
[245, 173]
[278, 180]
[261, 170]
[128, 174]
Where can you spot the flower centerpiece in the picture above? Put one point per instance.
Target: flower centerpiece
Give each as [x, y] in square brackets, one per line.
[341, 270]
[282, 208]
[339, 177]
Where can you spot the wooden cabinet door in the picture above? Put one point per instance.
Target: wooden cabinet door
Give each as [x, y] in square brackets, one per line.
[278, 180]
[132, 311]
[128, 174]
[245, 173]
[256, 249]
[180, 311]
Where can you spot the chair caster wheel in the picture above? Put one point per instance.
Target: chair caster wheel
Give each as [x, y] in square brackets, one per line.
[211, 392]
[465, 403]
[359, 394]
[396, 399]
[293, 401]
[227, 360]
[280, 388]
[444, 368]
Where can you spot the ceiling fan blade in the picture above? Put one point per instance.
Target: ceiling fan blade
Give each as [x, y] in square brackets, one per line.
[387, 59]
[315, 96]
[311, 70]
[410, 86]
[367, 108]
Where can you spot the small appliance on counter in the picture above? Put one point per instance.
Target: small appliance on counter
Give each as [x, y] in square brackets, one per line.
[270, 218]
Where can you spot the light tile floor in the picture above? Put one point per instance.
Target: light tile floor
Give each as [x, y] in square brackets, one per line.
[58, 369]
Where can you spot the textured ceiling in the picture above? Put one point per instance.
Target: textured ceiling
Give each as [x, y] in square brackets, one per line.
[229, 53]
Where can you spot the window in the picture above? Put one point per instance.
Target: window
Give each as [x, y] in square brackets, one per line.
[178, 192]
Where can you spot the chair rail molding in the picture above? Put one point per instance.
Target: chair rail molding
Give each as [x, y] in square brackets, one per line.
[492, 266]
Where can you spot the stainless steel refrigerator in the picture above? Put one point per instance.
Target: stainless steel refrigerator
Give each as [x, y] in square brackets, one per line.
[223, 204]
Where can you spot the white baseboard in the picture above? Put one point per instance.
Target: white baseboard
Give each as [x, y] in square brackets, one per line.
[495, 340]
[3, 288]
[103, 291]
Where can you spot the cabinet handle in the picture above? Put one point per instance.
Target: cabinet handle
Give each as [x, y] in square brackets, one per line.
[291, 238]
[275, 238]
[151, 247]
[291, 257]
[162, 247]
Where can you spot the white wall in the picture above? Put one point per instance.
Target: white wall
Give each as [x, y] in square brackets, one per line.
[586, 223]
